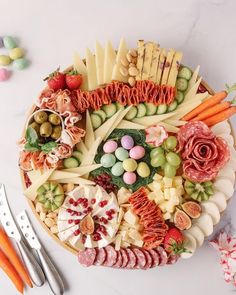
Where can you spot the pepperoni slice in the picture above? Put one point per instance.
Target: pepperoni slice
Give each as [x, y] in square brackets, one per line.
[155, 257]
[149, 259]
[111, 257]
[87, 257]
[132, 259]
[163, 255]
[119, 260]
[125, 258]
[141, 258]
[101, 256]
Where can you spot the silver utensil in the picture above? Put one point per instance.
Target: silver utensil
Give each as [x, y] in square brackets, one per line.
[52, 275]
[9, 225]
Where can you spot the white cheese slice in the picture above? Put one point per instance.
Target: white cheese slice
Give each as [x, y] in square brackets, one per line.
[109, 62]
[63, 215]
[99, 59]
[175, 122]
[192, 91]
[118, 242]
[154, 64]
[76, 242]
[82, 148]
[197, 234]
[190, 245]
[174, 68]
[193, 79]
[89, 157]
[124, 124]
[67, 234]
[147, 61]
[76, 180]
[80, 67]
[91, 70]
[140, 59]
[89, 136]
[211, 209]
[205, 223]
[83, 170]
[161, 64]
[168, 127]
[121, 55]
[34, 175]
[179, 113]
[167, 66]
[59, 174]
[151, 120]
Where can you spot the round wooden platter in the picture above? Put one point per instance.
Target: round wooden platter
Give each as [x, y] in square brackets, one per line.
[31, 203]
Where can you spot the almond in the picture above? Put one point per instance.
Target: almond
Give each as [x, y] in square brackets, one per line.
[54, 229]
[124, 62]
[131, 81]
[124, 72]
[133, 71]
[49, 222]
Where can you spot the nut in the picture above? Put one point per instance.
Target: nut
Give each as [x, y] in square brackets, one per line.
[49, 222]
[133, 52]
[129, 57]
[131, 81]
[124, 72]
[133, 71]
[54, 229]
[132, 65]
[68, 187]
[124, 62]
[42, 216]
[40, 208]
[52, 215]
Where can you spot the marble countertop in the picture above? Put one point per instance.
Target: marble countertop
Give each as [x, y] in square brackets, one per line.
[51, 31]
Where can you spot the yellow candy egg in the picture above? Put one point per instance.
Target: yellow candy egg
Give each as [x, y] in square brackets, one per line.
[5, 60]
[143, 170]
[16, 53]
[129, 165]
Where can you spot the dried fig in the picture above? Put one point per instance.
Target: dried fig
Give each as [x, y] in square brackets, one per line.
[182, 220]
[87, 225]
[193, 209]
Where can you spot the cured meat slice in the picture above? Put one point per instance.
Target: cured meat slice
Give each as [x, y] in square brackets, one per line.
[141, 258]
[149, 259]
[119, 260]
[87, 257]
[125, 258]
[172, 259]
[101, 256]
[163, 255]
[155, 257]
[111, 256]
[132, 259]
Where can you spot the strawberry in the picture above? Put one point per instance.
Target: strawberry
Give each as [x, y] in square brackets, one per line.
[174, 241]
[73, 80]
[56, 80]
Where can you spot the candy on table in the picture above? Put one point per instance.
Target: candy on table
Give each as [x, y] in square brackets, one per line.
[5, 60]
[9, 42]
[16, 53]
[20, 63]
[1, 42]
[4, 75]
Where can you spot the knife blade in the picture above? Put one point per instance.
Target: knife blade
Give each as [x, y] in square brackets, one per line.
[9, 225]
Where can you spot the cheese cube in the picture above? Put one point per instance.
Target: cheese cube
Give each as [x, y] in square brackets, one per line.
[163, 206]
[118, 242]
[177, 181]
[138, 243]
[123, 195]
[157, 177]
[152, 196]
[167, 193]
[157, 185]
[124, 234]
[179, 190]
[130, 217]
[170, 207]
[134, 234]
[175, 200]
[173, 192]
[151, 186]
[125, 244]
[167, 215]
[120, 215]
[167, 182]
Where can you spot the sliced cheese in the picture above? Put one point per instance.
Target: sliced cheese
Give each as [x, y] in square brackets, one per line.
[31, 192]
[175, 122]
[34, 175]
[161, 64]
[91, 70]
[193, 91]
[167, 66]
[77, 180]
[59, 174]
[169, 128]
[121, 55]
[83, 170]
[174, 68]
[193, 79]
[140, 59]
[151, 120]
[109, 62]
[147, 61]
[89, 136]
[185, 109]
[154, 64]
[89, 157]
[82, 147]
[80, 67]
[124, 124]
[99, 60]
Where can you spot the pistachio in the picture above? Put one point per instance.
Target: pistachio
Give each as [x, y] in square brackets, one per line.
[133, 71]
[124, 72]
[49, 222]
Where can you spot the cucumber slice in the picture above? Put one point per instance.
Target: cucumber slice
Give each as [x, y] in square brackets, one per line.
[109, 109]
[141, 110]
[132, 113]
[119, 106]
[96, 121]
[172, 106]
[162, 108]
[70, 163]
[179, 96]
[101, 114]
[185, 73]
[151, 108]
[78, 155]
[181, 84]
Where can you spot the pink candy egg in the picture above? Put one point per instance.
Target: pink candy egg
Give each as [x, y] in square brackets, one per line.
[110, 146]
[129, 177]
[4, 74]
[137, 152]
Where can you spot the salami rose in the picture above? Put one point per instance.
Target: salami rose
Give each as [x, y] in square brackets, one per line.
[203, 153]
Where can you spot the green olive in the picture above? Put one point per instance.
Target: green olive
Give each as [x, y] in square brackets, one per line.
[46, 129]
[35, 126]
[54, 119]
[41, 117]
[56, 132]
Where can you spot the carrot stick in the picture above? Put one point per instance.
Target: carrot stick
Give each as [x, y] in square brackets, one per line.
[215, 99]
[9, 269]
[224, 115]
[9, 250]
[212, 111]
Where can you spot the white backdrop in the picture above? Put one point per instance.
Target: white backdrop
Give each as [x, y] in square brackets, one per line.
[51, 31]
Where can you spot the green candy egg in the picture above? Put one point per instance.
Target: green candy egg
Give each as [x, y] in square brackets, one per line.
[20, 63]
[117, 169]
[5, 60]
[9, 42]
[121, 154]
[143, 170]
[16, 53]
[108, 160]
[130, 165]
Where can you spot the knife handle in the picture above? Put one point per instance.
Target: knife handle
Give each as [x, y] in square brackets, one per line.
[54, 280]
[34, 269]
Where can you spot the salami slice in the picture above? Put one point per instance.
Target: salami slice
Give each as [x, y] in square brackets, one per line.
[141, 258]
[119, 260]
[124, 257]
[155, 257]
[163, 256]
[111, 256]
[101, 256]
[172, 259]
[87, 257]
[132, 259]
[148, 258]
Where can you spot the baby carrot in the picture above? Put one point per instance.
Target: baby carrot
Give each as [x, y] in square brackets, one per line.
[9, 269]
[9, 250]
[224, 115]
[212, 111]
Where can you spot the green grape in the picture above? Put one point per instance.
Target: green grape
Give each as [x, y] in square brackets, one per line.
[171, 143]
[169, 170]
[173, 159]
[157, 151]
[158, 160]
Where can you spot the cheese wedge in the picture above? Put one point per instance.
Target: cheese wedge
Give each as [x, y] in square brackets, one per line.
[161, 64]
[80, 67]
[179, 113]
[60, 174]
[34, 175]
[154, 64]
[83, 170]
[99, 60]
[140, 59]
[109, 62]
[147, 61]
[91, 70]
[82, 147]
[89, 136]
[169, 128]
[89, 157]
[193, 79]
[151, 120]
[121, 54]
[193, 91]
[175, 122]
[124, 124]
[174, 68]
[167, 66]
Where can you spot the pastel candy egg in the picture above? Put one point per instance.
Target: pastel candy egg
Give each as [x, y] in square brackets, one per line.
[4, 74]
[1, 42]
[108, 160]
[117, 169]
[20, 64]
[127, 142]
[5, 60]
[143, 170]
[137, 152]
[110, 146]
[130, 165]
[121, 154]
[9, 42]
[16, 53]
[129, 177]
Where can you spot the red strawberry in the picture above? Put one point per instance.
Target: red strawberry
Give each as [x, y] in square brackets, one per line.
[174, 241]
[56, 80]
[73, 80]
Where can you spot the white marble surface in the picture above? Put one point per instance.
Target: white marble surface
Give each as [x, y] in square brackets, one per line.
[51, 31]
